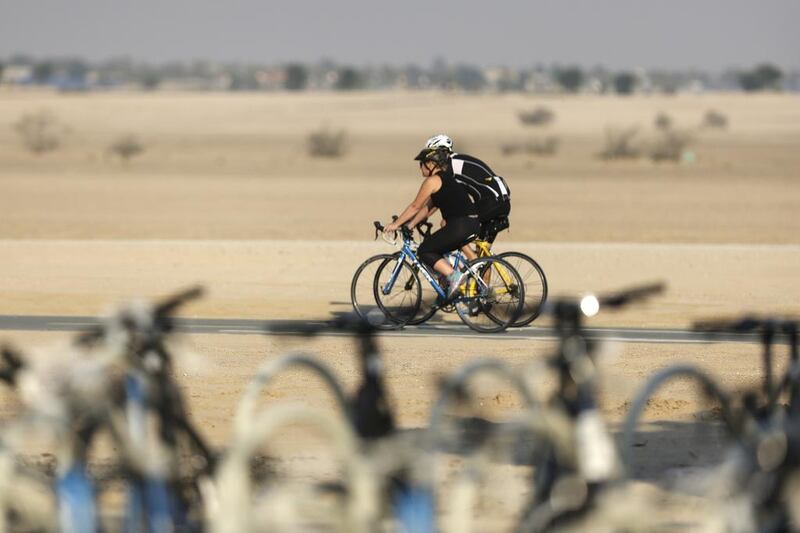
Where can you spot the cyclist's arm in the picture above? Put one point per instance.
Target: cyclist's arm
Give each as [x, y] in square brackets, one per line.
[428, 187]
[423, 214]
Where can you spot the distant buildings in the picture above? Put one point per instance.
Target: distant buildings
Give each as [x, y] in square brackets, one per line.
[72, 74]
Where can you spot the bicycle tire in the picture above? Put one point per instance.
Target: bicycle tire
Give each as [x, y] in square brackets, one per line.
[402, 303]
[476, 301]
[535, 285]
[362, 293]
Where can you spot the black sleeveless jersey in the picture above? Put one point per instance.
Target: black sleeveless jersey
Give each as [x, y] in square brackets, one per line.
[452, 198]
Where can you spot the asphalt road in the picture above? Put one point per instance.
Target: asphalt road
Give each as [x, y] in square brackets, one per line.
[261, 327]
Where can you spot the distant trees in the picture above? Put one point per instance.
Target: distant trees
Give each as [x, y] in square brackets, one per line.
[150, 80]
[42, 72]
[71, 73]
[762, 77]
[468, 78]
[349, 79]
[624, 82]
[570, 78]
[296, 77]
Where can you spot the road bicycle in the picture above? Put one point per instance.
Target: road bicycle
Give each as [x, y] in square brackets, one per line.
[367, 412]
[119, 381]
[531, 273]
[756, 484]
[574, 458]
[489, 298]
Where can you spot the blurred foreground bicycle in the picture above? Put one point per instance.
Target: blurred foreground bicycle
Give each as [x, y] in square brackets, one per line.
[757, 485]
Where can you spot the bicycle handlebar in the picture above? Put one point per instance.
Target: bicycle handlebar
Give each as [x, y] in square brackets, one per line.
[380, 230]
[424, 229]
[161, 314]
[171, 303]
[591, 304]
[634, 294]
[747, 324]
[350, 323]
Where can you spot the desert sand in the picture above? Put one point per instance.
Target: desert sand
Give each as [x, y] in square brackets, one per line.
[225, 195]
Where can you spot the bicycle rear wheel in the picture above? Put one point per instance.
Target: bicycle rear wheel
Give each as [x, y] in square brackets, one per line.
[493, 300]
[362, 293]
[397, 290]
[535, 285]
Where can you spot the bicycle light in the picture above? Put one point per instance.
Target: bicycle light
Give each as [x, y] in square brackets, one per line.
[590, 305]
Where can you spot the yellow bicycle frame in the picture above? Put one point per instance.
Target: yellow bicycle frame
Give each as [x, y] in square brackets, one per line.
[484, 249]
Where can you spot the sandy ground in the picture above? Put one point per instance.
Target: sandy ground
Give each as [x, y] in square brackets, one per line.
[311, 279]
[224, 195]
[235, 167]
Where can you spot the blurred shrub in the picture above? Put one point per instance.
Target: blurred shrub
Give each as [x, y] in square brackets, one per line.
[540, 116]
[662, 121]
[715, 119]
[126, 147]
[326, 142]
[538, 146]
[40, 131]
[621, 144]
[670, 145]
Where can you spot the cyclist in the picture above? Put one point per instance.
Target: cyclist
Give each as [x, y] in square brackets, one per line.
[489, 191]
[440, 190]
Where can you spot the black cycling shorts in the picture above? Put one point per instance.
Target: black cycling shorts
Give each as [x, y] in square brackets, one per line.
[458, 232]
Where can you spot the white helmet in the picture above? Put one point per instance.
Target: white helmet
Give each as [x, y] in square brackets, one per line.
[440, 141]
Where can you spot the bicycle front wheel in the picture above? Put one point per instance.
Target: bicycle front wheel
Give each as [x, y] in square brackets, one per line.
[491, 295]
[535, 286]
[428, 302]
[362, 293]
[397, 290]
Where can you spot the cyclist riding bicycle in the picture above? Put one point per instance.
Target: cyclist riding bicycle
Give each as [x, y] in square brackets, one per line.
[440, 190]
[489, 192]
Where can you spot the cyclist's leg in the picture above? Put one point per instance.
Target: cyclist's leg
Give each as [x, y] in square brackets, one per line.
[451, 237]
[469, 252]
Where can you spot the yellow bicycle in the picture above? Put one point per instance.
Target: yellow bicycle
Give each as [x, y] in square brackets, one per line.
[531, 273]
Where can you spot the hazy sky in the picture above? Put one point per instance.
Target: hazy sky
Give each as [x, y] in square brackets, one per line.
[710, 34]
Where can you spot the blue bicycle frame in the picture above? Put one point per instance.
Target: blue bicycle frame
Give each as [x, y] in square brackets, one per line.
[407, 254]
[151, 506]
